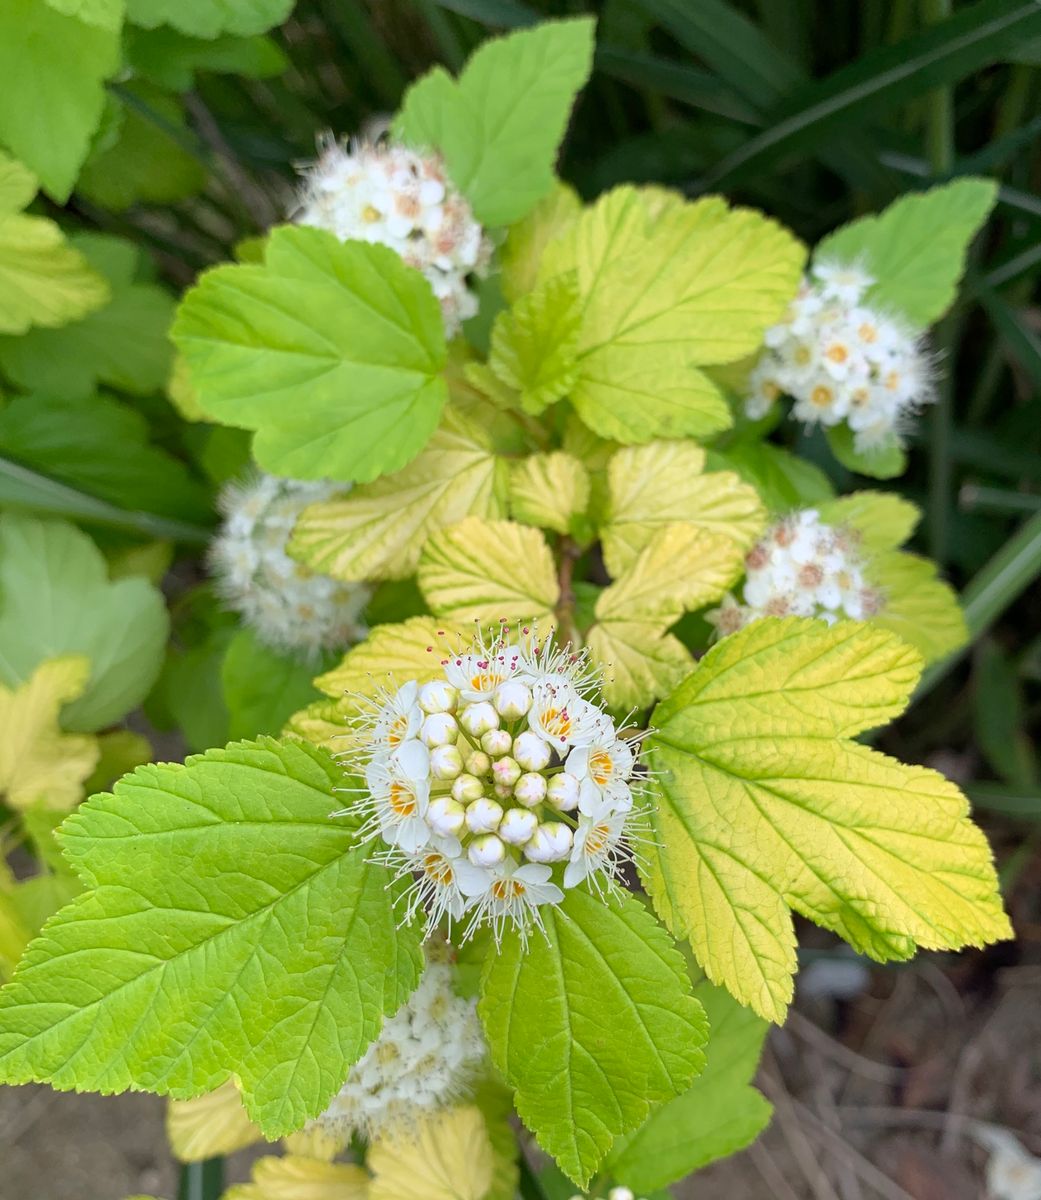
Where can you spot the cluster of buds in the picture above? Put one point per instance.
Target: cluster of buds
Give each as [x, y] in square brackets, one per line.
[393, 196]
[286, 604]
[842, 360]
[424, 1060]
[498, 785]
[801, 568]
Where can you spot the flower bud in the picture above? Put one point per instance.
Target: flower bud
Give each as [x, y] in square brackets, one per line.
[620, 1193]
[483, 815]
[531, 751]
[446, 762]
[438, 696]
[503, 790]
[439, 729]
[550, 843]
[486, 851]
[446, 816]
[518, 826]
[512, 700]
[562, 792]
[478, 763]
[479, 718]
[505, 771]
[530, 789]
[467, 788]
[496, 743]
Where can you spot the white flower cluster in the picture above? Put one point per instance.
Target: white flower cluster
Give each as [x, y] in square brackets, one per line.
[496, 785]
[423, 1060]
[387, 194]
[802, 568]
[287, 605]
[842, 360]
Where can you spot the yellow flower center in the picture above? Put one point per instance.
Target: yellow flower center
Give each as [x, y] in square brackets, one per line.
[601, 767]
[402, 800]
[439, 869]
[556, 722]
[821, 396]
[837, 352]
[507, 889]
[597, 839]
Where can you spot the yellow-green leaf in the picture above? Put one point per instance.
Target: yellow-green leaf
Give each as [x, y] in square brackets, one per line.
[917, 605]
[40, 766]
[209, 1125]
[534, 343]
[488, 570]
[296, 1178]
[378, 531]
[549, 490]
[667, 287]
[448, 1158]
[639, 661]
[883, 519]
[662, 483]
[765, 805]
[522, 251]
[323, 723]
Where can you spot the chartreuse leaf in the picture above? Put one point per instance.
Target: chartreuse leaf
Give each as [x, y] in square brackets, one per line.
[719, 1114]
[662, 483]
[549, 490]
[378, 530]
[296, 1177]
[41, 767]
[43, 280]
[487, 571]
[534, 344]
[521, 253]
[106, 14]
[450, 1158]
[332, 351]
[884, 520]
[666, 287]
[765, 805]
[682, 567]
[917, 605]
[592, 1025]
[210, 1125]
[881, 462]
[229, 926]
[62, 63]
[500, 124]
[916, 248]
[782, 480]
[208, 18]
[322, 723]
[56, 598]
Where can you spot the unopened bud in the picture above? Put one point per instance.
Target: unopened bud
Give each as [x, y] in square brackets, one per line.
[512, 700]
[550, 843]
[446, 816]
[479, 718]
[530, 789]
[496, 743]
[563, 791]
[483, 815]
[505, 771]
[478, 763]
[518, 826]
[438, 696]
[439, 729]
[467, 788]
[531, 751]
[486, 851]
[446, 762]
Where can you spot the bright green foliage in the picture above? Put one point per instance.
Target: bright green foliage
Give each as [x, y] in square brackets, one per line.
[331, 351]
[883, 462]
[667, 287]
[262, 688]
[100, 447]
[916, 248]
[202, 948]
[123, 344]
[718, 1115]
[106, 14]
[478, 568]
[664, 483]
[378, 531]
[550, 490]
[499, 126]
[534, 343]
[43, 281]
[884, 520]
[591, 1025]
[170, 59]
[764, 804]
[521, 253]
[783, 481]
[56, 598]
[61, 63]
[682, 567]
[208, 18]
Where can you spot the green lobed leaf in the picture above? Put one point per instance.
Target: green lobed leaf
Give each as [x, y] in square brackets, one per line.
[719, 1114]
[592, 1024]
[208, 18]
[171, 60]
[765, 805]
[883, 462]
[550, 490]
[56, 598]
[61, 63]
[331, 351]
[262, 688]
[916, 248]
[782, 480]
[884, 520]
[917, 604]
[229, 927]
[499, 126]
[106, 14]
[521, 253]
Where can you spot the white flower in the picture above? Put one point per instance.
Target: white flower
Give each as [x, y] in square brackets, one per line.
[401, 199]
[424, 1059]
[801, 567]
[287, 605]
[842, 361]
[496, 784]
